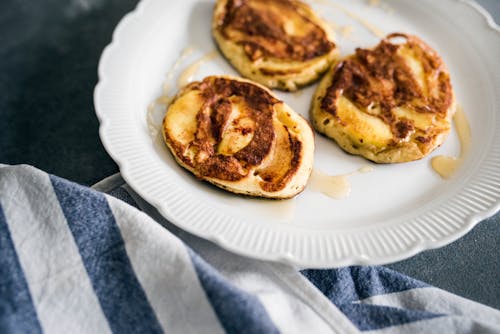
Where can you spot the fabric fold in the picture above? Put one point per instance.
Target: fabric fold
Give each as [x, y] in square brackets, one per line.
[74, 259]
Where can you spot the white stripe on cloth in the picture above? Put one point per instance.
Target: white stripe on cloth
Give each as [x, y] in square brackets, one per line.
[41, 236]
[431, 299]
[313, 298]
[293, 304]
[165, 272]
[442, 325]
[290, 312]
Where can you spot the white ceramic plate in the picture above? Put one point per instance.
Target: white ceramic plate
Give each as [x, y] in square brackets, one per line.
[392, 213]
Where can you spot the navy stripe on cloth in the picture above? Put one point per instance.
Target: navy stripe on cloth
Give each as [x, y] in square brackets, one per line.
[350, 284]
[237, 310]
[17, 313]
[345, 287]
[103, 253]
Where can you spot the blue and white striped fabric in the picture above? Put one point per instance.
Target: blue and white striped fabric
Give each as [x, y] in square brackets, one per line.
[76, 260]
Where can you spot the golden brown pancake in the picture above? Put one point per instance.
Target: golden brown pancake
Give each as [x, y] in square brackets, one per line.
[392, 103]
[237, 135]
[279, 43]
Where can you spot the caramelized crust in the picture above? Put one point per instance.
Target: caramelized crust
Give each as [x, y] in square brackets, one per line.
[278, 43]
[260, 27]
[406, 86]
[236, 131]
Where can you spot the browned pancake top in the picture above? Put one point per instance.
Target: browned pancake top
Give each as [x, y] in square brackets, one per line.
[260, 27]
[380, 77]
[220, 95]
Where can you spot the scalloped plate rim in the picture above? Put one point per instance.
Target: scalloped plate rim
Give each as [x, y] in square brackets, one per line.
[292, 259]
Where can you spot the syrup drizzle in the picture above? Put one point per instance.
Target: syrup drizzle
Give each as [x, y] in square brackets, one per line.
[188, 74]
[446, 166]
[334, 186]
[156, 109]
[368, 25]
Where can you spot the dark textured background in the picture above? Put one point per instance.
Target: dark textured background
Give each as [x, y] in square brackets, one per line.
[48, 70]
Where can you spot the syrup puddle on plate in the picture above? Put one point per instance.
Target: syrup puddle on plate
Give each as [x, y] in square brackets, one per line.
[334, 186]
[446, 166]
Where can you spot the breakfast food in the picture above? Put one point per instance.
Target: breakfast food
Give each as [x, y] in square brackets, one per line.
[281, 44]
[392, 103]
[237, 135]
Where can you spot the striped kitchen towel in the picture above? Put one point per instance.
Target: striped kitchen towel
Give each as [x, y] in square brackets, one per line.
[77, 260]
